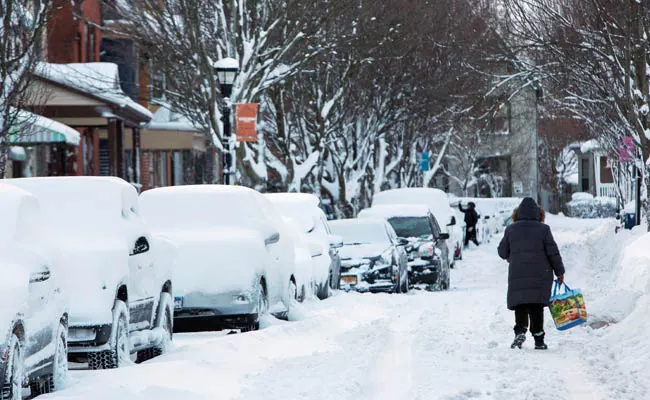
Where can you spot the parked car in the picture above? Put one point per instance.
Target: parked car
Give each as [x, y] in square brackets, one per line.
[305, 209]
[427, 251]
[34, 315]
[438, 203]
[373, 258]
[117, 275]
[236, 257]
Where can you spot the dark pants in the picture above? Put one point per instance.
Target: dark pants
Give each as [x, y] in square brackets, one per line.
[470, 235]
[536, 314]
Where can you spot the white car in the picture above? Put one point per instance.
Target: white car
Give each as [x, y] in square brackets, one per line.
[235, 256]
[305, 210]
[117, 275]
[438, 203]
[34, 314]
[373, 258]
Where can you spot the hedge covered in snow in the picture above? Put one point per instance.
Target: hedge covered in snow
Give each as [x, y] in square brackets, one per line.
[584, 205]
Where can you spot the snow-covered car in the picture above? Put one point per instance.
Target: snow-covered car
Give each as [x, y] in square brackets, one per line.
[373, 258]
[427, 251]
[235, 254]
[438, 203]
[34, 313]
[117, 275]
[305, 210]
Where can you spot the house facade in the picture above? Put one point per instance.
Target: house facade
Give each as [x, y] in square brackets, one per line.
[505, 164]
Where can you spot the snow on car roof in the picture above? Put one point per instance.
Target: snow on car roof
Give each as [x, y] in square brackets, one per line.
[194, 206]
[303, 208]
[435, 199]
[72, 202]
[397, 210]
[370, 230]
[16, 206]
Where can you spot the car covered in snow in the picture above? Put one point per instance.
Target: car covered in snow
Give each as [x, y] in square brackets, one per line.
[427, 251]
[235, 255]
[373, 258]
[438, 203]
[305, 210]
[117, 275]
[34, 313]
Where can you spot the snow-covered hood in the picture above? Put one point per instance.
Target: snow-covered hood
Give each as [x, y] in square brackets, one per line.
[216, 260]
[361, 251]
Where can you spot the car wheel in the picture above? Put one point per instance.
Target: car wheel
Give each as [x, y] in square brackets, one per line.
[262, 309]
[120, 352]
[12, 388]
[164, 321]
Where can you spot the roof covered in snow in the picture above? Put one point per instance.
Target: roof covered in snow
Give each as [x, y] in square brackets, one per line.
[99, 79]
[165, 119]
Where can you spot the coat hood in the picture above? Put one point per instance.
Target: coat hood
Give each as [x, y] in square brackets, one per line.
[528, 210]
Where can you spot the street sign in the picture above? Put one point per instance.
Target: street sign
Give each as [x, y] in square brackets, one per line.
[246, 122]
[518, 187]
[424, 161]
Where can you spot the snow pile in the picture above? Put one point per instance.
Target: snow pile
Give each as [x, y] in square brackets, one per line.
[584, 205]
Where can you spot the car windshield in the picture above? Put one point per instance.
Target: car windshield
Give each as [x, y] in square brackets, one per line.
[407, 227]
[358, 233]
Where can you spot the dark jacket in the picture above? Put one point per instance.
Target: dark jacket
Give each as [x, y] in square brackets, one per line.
[529, 247]
[471, 217]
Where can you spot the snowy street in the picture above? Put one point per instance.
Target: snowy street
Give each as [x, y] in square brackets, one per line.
[444, 345]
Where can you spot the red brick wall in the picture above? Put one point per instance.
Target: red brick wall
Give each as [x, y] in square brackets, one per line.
[70, 29]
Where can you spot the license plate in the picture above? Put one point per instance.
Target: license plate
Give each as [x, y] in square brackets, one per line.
[349, 280]
[178, 302]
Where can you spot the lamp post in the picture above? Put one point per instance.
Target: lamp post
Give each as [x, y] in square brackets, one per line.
[227, 70]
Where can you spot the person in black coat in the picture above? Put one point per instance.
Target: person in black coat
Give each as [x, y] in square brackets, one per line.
[534, 257]
[471, 219]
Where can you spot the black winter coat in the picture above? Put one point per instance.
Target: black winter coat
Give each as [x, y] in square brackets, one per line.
[471, 217]
[529, 247]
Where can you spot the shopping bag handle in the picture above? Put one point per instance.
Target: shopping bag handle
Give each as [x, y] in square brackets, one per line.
[558, 285]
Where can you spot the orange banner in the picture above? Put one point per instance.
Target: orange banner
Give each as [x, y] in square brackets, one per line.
[246, 122]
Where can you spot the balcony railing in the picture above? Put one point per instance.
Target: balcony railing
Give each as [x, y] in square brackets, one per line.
[606, 190]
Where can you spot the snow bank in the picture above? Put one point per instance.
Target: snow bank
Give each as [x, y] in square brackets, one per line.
[584, 205]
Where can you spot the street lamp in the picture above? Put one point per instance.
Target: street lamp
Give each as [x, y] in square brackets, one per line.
[227, 70]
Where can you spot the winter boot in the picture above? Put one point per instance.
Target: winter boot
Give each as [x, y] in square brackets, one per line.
[539, 341]
[520, 338]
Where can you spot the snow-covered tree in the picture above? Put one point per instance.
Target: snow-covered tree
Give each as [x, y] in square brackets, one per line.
[22, 23]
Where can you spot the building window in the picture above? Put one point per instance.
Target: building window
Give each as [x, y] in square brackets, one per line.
[78, 48]
[606, 175]
[90, 45]
[158, 85]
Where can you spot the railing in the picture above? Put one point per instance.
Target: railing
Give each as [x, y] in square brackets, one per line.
[606, 190]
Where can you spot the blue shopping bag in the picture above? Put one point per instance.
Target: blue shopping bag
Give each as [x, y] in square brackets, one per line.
[567, 308]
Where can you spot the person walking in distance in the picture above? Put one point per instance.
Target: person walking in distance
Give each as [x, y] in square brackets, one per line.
[533, 258]
[471, 219]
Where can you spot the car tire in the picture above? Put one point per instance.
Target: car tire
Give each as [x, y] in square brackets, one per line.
[58, 379]
[12, 381]
[164, 320]
[119, 353]
[406, 285]
[262, 309]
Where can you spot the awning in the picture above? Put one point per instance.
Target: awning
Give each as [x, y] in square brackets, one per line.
[34, 129]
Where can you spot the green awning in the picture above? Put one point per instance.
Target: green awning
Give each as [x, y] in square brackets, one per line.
[36, 129]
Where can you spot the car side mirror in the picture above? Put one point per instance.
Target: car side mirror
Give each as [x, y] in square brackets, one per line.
[141, 246]
[335, 241]
[402, 242]
[443, 236]
[452, 222]
[41, 275]
[272, 238]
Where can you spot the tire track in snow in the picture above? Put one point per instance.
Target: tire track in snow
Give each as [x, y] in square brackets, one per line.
[393, 372]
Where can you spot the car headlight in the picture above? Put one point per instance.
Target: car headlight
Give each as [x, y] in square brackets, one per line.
[426, 250]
